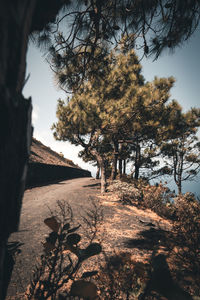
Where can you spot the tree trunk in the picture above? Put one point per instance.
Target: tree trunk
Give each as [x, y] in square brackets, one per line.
[180, 171]
[124, 166]
[120, 160]
[15, 120]
[179, 188]
[114, 168]
[179, 185]
[103, 178]
[101, 163]
[137, 161]
[114, 161]
[18, 19]
[98, 172]
[137, 170]
[177, 176]
[120, 168]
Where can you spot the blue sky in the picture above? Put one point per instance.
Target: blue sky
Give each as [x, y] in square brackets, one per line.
[184, 65]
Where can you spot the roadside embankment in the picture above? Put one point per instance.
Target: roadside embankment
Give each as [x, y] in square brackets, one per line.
[41, 174]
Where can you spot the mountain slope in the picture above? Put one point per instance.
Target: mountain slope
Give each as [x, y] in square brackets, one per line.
[47, 166]
[43, 154]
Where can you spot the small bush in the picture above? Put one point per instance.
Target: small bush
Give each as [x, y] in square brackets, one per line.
[158, 198]
[59, 268]
[127, 192]
[122, 278]
[141, 194]
[136, 182]
[187, 231]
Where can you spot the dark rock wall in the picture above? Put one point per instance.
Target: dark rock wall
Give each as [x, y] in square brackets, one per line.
[41, 174]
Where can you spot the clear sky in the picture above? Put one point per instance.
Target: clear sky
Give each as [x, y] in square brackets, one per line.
[184, 65]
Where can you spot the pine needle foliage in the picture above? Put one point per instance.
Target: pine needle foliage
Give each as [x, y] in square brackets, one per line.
[181, 145]
[114, 104]
[82, 26]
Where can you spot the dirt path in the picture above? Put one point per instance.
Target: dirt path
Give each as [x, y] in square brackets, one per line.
[124, 229]
[36, 204]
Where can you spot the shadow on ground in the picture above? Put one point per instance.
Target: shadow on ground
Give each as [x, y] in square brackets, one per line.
[60, 181]
[150, 238]
[94, 185]
[12, 249]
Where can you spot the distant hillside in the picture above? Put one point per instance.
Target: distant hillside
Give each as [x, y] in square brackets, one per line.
[47, 166]
[43, 154]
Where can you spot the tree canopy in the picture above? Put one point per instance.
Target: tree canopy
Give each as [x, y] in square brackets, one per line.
[116, 106]
[83, 26]
[181, 145]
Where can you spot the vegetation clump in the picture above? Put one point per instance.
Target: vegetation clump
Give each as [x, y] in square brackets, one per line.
[58, 273]
[127, 193]
[186, 229]
[158, 198]
[122, 278]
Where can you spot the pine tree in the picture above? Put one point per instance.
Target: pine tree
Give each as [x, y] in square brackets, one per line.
[181, 145]
[93, 116]
[117, 106]
[92, 22]
[145, 128]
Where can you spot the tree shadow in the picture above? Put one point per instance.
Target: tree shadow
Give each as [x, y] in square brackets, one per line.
[12, 249]
[162, 282]
[93, 185]
[47, 183]
[150, 238]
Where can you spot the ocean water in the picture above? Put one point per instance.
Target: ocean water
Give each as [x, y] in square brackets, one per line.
[192, 186]
[187, 186]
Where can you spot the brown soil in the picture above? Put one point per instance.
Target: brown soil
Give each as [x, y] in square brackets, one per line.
[124, 224]
[138, 236]
[43, 154]
[128, 230]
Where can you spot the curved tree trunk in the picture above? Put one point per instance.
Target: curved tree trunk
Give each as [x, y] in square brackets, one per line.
[15, 119]
[98, 172]
[102, 165]
[17, 19]
[114, 161]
